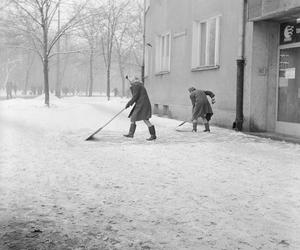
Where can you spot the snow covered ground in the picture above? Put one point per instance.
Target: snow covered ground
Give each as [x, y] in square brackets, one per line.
[223, 190]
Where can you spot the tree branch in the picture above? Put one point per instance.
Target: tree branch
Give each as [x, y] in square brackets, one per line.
[27, 12]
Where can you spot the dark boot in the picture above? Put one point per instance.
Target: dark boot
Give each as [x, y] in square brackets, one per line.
[206, 127]
[194, 127]
[131, 131]
[152, 133]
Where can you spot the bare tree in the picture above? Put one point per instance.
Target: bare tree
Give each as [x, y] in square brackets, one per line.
[138, 50]
[8, 67]
[35, 20]
[4, 4]
[112, 15]
[90, 31]
[128, 39]
[29, 63]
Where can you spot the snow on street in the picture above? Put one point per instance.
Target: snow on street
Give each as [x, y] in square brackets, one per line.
[224, 190]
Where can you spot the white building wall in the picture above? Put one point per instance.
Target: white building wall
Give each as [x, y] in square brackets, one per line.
[170, 89]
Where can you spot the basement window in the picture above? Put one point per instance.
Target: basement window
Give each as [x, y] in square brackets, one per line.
[165, 110]
[155, 109]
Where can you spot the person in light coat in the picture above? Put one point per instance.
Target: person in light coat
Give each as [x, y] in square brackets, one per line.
[141, 110]
[201, 107]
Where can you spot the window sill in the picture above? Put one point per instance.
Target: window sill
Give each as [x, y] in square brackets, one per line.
[202, 68]
[162, 73]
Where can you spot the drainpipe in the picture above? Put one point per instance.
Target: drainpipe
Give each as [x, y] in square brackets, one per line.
[240, 62]
[144, 43]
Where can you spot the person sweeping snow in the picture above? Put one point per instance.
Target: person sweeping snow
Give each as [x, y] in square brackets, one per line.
[201, 107]
[141, 110]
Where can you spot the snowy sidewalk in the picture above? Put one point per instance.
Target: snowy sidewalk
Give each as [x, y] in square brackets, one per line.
[223, 190]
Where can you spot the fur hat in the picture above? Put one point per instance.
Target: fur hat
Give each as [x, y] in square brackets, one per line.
[191, 89]
[136, 81]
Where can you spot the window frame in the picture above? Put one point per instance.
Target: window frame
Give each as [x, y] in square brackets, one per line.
[196, 44]
[163, 53]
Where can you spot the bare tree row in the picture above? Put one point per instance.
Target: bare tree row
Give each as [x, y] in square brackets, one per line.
[102, 30]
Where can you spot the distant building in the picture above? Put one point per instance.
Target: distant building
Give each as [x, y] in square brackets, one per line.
[198, 42]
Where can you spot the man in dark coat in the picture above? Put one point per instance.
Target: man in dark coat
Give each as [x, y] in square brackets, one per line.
[201, 107]
[141, 110]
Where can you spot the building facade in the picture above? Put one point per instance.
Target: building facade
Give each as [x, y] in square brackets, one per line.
[273, 72]
[198, 43]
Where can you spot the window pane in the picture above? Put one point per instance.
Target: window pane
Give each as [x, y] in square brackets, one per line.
[167, 44]
[212, 42]
[162, 46]
[289, 86]
[162, 56]
[158, 54]
[202, 43]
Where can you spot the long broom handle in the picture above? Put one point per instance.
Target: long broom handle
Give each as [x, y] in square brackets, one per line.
[110, 120]
[105, 124]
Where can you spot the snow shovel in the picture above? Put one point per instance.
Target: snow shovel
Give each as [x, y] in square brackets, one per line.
[98, 130]
[182, 123]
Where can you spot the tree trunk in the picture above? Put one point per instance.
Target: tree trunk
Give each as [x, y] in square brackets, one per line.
[26, 82]
[108, 83]
[87, 84]
[30, 59]
[58, 80]
[121, 72]
[123, 84]
[65, 62]
[123, 79]
[46, 80]
[91, 73]
[46, 66]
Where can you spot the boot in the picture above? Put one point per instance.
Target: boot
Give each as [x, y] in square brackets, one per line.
[152, 133]
[194, 127]
[131, 131]
[206, 127]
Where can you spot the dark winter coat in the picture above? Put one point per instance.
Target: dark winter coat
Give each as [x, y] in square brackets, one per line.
[142, 107]
[201, 105]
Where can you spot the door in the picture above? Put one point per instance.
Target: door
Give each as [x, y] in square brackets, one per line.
[288, 93]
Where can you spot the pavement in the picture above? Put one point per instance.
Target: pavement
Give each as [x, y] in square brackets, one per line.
[223, 190]
[276, 136]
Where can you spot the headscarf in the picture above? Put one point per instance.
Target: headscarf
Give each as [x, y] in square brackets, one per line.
[191, 89]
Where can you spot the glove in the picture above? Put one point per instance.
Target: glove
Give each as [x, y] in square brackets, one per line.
[213, 101]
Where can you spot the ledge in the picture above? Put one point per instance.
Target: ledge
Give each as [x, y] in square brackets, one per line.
[202, 68]
[162, 73]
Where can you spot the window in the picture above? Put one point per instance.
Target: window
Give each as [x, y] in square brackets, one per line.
[205, 43]
[163, 53]
[289, 85]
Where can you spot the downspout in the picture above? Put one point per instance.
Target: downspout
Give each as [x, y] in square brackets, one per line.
[240, 62]
[144, 43]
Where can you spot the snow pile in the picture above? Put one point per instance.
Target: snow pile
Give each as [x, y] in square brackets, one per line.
[62, 115]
